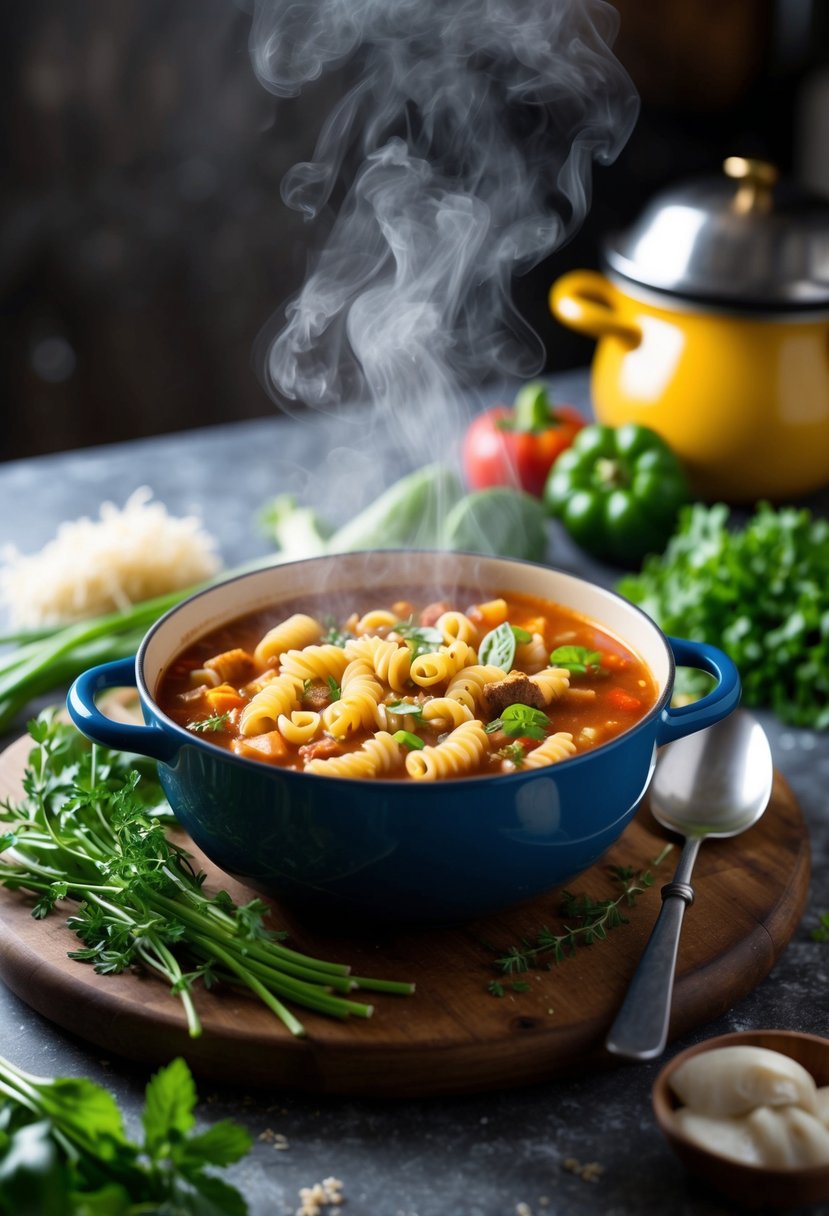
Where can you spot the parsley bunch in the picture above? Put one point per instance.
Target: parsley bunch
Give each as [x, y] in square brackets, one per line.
[760, 592]
[91, 828]
[63, 1150]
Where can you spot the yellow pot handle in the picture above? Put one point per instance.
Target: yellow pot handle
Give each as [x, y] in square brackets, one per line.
[584, 300]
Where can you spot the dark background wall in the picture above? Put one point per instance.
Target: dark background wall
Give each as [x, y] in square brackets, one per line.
[143, 241]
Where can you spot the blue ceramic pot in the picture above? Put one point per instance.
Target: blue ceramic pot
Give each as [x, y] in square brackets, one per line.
[405, 850]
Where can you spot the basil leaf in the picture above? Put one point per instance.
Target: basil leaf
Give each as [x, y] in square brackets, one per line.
[498, 648]
[421, 639]
[577, 659]
[404, 708]
[521, 635]
[524, 720]
[413, 742]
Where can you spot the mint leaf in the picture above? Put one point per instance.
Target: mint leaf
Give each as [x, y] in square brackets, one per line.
[169, 1106]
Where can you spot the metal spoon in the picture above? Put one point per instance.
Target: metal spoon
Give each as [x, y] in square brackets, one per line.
[716, 782]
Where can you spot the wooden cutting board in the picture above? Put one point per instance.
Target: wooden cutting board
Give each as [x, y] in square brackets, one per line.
[452, 1036]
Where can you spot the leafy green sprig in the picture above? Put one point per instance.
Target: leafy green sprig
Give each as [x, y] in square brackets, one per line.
[586, 920]
[758, 590]
[91, 828]
[63, 1150]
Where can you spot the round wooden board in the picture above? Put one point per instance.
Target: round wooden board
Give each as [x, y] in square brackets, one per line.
[452, 1036]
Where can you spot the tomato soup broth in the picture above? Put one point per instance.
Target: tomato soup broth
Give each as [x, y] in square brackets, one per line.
[466, 686]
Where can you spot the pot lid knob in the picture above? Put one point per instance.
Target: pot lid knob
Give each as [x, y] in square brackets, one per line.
[756, 179]
[739, 239]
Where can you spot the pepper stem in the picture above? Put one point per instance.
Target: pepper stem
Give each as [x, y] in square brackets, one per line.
[532, 409]
[610, 473]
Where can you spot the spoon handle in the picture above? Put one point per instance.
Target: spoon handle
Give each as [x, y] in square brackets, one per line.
[640, 1030]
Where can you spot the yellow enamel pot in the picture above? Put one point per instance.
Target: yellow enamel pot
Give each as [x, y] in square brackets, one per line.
[713, 329]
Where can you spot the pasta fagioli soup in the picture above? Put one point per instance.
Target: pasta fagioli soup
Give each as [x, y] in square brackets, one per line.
[407, 689]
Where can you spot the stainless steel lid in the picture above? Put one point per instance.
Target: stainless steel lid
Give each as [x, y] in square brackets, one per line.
[741, 239]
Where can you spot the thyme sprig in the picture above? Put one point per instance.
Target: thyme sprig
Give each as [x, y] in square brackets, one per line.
[585, 921]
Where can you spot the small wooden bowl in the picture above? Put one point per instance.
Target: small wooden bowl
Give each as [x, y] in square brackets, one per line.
[748, 1185]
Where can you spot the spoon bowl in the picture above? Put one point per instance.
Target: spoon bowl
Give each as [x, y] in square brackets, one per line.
[715, 783]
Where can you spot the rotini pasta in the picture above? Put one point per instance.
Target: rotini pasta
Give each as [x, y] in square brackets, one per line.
[379, 696]
[379, 756]
[375, 621]
[261, 714]
[439, 666]
[554, 748]
[532, 656]
[460, 752]
[314, 663]
[466, 685]
[357, 707]
[300, 726]
[392, 661]
[457, 626]
[291, 634]
[551, 682]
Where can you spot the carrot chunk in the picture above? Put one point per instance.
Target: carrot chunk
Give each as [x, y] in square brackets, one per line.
[617, 698]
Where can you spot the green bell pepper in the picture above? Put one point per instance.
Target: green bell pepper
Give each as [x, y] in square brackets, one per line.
[617, 491]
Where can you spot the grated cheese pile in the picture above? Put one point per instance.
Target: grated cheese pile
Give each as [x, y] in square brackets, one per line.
[97, 566]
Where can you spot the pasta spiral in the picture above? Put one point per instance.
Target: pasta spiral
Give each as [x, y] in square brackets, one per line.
[379, 618]
[379, 755]
[551, 682]
[467, 684]
[440, 665]
[261, 713]
[300, 726]
[392, 661]
[445, 713]
[554, 748]
[460, 752]
[314, 663]
[532, 656]
[291, 634]
[457, 625]
[357, 707]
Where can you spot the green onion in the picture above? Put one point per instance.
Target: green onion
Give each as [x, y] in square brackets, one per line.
[413, 742]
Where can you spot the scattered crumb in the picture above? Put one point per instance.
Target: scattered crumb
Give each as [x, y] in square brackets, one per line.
[523, 1209]
[590, 1171]
[314, 1199]
[269, 1136]
[544, 1201]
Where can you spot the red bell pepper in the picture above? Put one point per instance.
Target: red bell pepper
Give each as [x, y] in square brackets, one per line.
[516, 446]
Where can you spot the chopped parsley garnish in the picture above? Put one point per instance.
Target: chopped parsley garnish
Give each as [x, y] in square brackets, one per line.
[334, 689]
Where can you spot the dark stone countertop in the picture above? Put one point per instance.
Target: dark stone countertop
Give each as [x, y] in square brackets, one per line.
[475, 1156]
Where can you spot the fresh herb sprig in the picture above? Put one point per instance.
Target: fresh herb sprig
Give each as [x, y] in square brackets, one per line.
[821, 931]
[758, 590]
[585, 921]
[63, 1149]
[91, 828]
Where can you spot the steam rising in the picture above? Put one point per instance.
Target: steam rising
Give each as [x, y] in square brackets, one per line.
[463, 153]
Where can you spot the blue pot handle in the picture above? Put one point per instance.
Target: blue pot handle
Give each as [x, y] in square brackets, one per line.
[685, 719]
[122, 736]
